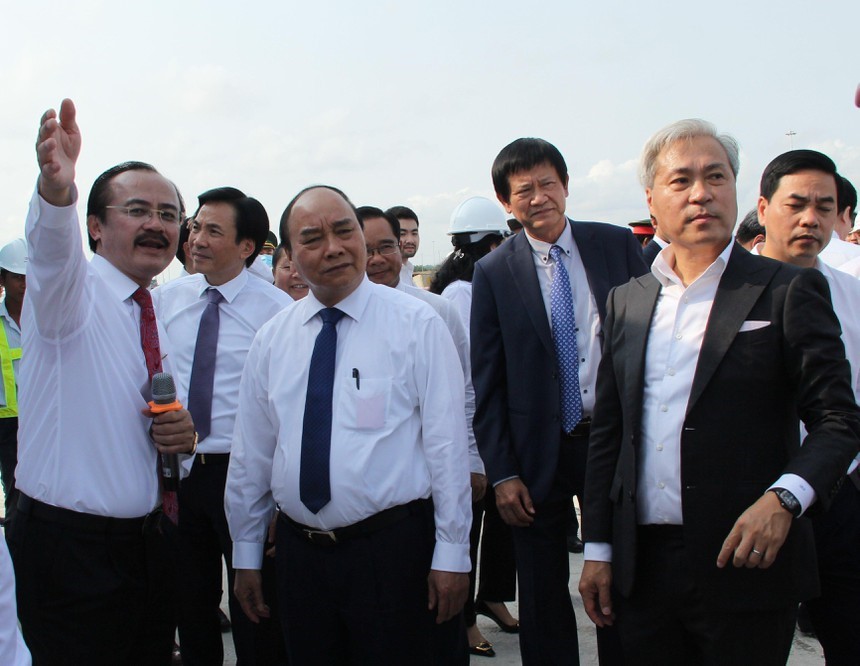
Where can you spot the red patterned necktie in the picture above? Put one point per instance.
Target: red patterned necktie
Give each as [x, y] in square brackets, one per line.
[152, 354]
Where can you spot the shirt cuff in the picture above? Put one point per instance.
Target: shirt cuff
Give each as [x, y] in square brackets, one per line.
[452, 557]
[798, 487]
[598, 552]
[247, 555]
[53, 216]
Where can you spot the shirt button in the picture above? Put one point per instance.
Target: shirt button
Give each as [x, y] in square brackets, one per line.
[664, 408]
[659, 447]
[677, 336]
[661, 485]
[671, 372]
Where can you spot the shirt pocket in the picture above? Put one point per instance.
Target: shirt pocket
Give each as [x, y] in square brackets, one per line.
[365, 403]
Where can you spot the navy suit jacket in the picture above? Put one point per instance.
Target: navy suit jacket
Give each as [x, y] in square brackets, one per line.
[514, 369]
[741, 429]
[650, 252]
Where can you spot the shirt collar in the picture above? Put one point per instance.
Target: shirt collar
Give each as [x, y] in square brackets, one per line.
[663, 267]
[229, 290]
[117, 281]
[353, 305]
[542, 248]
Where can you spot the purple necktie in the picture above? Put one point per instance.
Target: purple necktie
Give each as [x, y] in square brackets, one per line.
[203, 367]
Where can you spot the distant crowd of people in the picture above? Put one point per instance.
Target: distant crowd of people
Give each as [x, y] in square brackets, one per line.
[377, 464]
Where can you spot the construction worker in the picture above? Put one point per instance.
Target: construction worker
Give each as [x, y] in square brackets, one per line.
[13, 271]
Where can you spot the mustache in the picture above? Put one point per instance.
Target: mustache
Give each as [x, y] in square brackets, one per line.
[152, 237]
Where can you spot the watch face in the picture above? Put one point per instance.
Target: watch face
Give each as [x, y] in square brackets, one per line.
[788, 501]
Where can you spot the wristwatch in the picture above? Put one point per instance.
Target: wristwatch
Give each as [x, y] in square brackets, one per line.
[788, 501]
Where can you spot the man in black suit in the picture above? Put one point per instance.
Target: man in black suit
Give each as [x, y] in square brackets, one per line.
[533, 445]
[698, 488]
[657, 243]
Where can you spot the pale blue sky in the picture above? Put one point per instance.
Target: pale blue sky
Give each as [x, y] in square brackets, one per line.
[399, 102]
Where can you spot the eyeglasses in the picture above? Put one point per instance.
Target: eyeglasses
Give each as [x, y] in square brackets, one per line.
[382, 250]
[142, 213]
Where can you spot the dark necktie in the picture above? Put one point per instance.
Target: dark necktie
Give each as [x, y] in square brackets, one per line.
[152, 354]
[203, 367]
[564, 335]
[314, 483]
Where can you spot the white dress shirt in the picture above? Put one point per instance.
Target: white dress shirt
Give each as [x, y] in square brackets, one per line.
[248, 304]
[83, 443]
[841, 254]
[13, 650]
[262, 270]
[398, 429]
[588, 326]
[406, 272]
[459, 292]
[451, 317]
[13, 337]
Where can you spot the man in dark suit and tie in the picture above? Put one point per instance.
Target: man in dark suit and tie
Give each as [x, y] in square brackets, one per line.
[698, 488]
[537, 313]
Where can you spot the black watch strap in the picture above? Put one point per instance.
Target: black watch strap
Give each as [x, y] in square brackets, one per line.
[788, 501]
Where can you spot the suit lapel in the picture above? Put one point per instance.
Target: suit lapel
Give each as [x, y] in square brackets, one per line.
[742, 284]
[642, 299]
[594, 261]
[522, 267]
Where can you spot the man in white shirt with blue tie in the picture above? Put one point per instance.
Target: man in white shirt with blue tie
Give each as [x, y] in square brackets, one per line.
[95, 576]
[211, 319]
[358, 435]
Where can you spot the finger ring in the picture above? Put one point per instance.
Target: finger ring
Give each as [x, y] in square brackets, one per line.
[757, 552]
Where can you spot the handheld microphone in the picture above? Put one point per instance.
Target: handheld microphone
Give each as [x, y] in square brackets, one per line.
[164, 400]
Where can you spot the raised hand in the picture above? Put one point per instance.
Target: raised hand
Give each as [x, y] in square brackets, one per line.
[58, 145]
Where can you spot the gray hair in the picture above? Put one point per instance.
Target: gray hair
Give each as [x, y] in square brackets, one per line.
[683, 129]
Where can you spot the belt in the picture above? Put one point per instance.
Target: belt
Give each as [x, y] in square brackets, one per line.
[364, 527]
[581, 429]
[84, 522]
[212, 458]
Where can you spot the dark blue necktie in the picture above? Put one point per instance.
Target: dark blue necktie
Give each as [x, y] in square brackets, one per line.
[314, 483]
[564, 335]
[203, 367]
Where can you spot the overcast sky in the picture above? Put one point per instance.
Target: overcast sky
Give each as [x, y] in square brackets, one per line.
[408, 103]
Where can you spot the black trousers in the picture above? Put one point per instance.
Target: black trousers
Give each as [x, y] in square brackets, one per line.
[666, 621]
[94, 591]
[204, 539]
[8, 460]
[362, 601]
[835, 614]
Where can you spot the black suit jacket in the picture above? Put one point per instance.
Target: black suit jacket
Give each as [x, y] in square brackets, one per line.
[741, 428]
[650, 252]
[517, 414]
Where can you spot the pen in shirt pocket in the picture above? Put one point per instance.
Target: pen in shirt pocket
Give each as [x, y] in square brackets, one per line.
[357, 377]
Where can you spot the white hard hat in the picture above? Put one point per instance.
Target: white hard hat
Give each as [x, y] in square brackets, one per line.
[478, 217]
[13, 256]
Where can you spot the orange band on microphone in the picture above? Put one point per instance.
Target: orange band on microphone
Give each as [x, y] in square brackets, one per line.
[174, 406]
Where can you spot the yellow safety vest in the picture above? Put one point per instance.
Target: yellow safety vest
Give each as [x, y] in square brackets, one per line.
[7, 355]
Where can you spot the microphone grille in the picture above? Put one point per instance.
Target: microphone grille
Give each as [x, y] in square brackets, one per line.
[163, 388]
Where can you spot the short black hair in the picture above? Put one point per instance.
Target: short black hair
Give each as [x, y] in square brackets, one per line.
[792, 162]
[251, 218]
[749, 228]
[184, 232]
[522, 155]
[403, 213]
[99, 197]
[846, 195]
[370, 212]
[284, 228]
